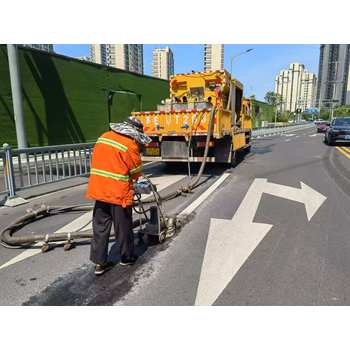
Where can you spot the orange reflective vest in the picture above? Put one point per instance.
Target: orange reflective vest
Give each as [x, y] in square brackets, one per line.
[115, 163]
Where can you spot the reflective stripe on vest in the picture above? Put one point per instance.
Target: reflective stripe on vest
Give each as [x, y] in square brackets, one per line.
[109, 175]
[136, 170]
[112, 143]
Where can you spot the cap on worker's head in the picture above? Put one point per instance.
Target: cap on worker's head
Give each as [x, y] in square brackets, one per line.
[135, 123]
[132, 127]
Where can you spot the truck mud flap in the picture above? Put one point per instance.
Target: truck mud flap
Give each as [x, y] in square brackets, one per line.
[222, 150]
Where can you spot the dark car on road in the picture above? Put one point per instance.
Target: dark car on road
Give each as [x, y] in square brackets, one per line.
[322, 126]
[338, 131]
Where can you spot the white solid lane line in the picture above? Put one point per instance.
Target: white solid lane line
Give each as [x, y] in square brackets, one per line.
[83, 222]
[205, 195]
[163, 182]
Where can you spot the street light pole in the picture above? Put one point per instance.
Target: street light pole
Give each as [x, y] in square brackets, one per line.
[230, 99]
[235, 56]
[16, 89]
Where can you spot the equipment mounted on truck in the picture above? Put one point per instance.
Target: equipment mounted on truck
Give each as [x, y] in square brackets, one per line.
[180, 126]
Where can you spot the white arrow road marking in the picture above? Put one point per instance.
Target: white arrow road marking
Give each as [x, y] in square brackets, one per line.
[307, 195]
[313, 135]
[230, 242]
[83, 222]
[289, 135]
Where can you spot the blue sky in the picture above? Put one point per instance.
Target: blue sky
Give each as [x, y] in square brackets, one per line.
[256, 70]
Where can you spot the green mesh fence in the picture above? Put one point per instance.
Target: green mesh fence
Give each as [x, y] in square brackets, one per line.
[65, 100]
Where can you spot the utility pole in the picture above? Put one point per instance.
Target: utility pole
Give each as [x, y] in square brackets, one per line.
[275, 115]
[231, 100]
[238, 54]
[16, 89]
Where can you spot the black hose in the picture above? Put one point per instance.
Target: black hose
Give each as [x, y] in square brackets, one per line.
[8, 240]
[207, 142]
[193, 184]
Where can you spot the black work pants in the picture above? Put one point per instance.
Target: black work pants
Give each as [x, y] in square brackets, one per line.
[103, 216]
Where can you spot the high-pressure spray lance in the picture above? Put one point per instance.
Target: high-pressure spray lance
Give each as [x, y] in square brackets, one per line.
[165, 226]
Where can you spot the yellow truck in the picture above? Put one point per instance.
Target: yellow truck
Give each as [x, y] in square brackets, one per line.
[180, 126]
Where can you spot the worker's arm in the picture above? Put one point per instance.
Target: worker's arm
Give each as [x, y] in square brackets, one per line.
[134, 162]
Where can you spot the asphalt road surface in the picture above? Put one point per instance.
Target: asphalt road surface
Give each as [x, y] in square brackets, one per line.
[272, 231]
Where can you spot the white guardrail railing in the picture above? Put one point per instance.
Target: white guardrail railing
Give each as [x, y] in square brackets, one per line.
[279, 130]
[29, 167]
[25, 168]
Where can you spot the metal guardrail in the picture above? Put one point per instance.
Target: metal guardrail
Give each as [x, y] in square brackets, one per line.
[3, 175]
[29, 167]
[278, 130]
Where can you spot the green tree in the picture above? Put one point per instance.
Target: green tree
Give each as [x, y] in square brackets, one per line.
[342, 111]
[283, 117]
[273, 99]
[308, 116]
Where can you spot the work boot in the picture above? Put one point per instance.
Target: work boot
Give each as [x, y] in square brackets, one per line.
[128, 261]
[101, 269]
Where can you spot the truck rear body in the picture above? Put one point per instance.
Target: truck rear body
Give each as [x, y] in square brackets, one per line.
[180, 126]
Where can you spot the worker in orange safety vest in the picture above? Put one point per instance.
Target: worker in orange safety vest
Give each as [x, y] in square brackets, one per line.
[115, 165]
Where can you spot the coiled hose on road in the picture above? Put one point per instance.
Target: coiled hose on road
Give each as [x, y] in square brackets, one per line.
[9, 240]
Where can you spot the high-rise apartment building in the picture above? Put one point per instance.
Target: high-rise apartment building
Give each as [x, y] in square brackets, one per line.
[213, 57]
[163, 63]
[333, 75]
[297, 87]
[307, 98]
[123, 56]
[97, 53]
[42, 47]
